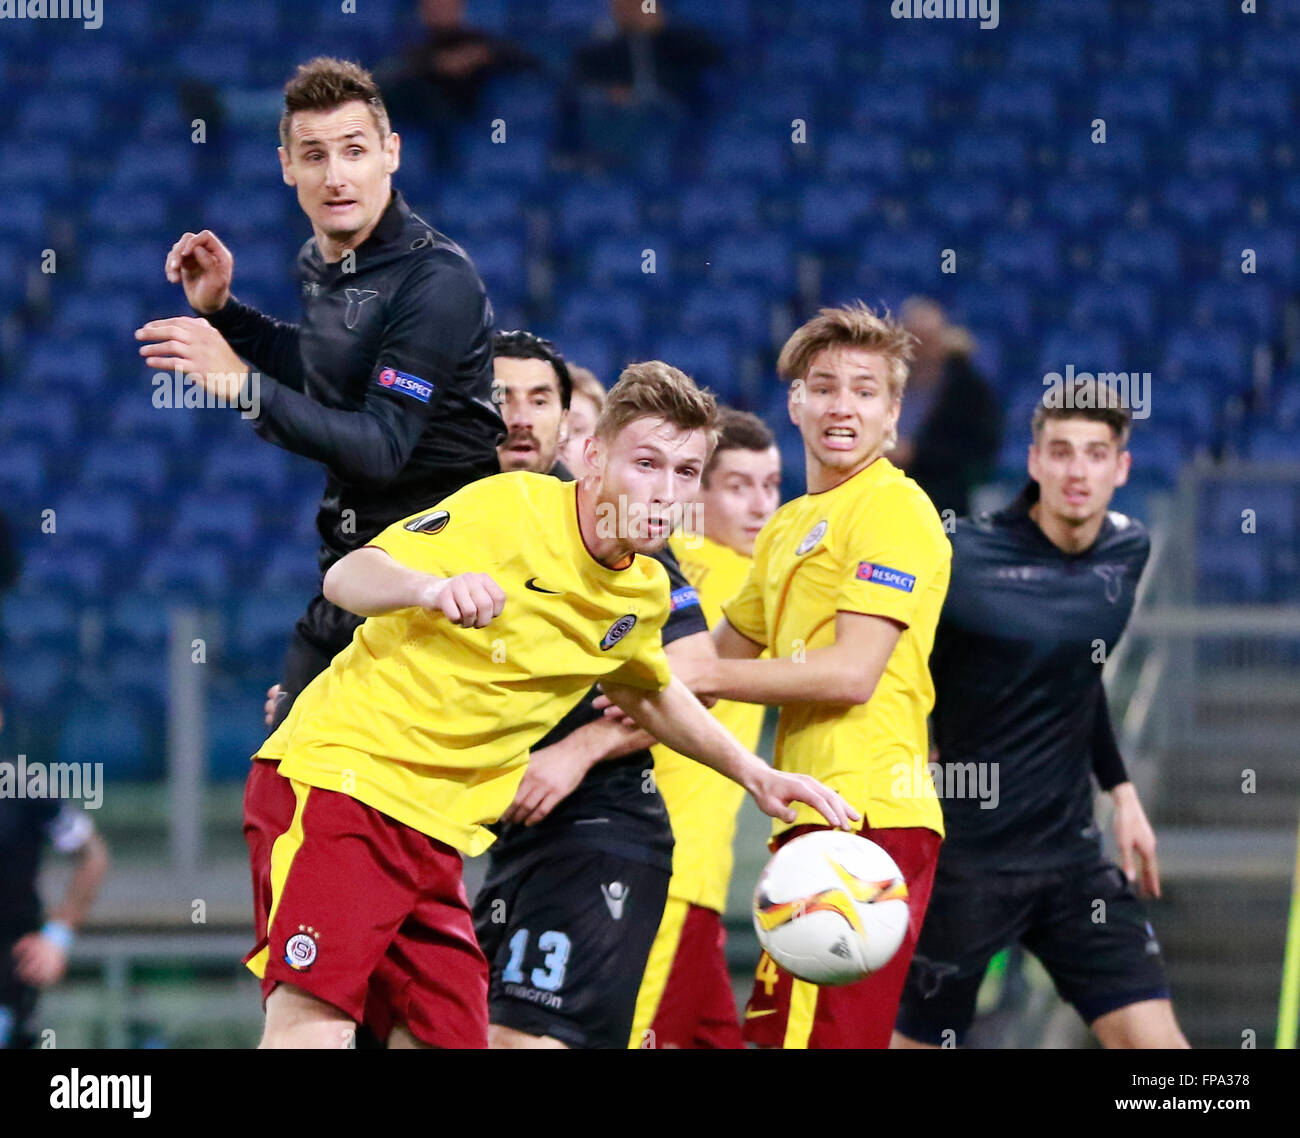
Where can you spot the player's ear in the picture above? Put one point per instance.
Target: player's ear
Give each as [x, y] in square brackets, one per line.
[593, 454]
[794, 400]
[1123, 466]
[285, 169]
[1033, 462]
[392, 152]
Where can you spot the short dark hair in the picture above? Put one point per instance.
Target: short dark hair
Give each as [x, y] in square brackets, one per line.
[738, 430]
[521, 345]
[321, 84]
[1084, 398]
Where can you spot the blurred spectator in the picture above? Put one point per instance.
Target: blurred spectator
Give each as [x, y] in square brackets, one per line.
[438, 81]
[633, 86]
[950, 427]
[584, 408]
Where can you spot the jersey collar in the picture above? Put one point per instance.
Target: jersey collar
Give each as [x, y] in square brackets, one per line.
[1016, 513]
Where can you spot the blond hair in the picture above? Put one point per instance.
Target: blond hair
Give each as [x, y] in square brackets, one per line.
[852, 325]
[586, 383]
[657, 390]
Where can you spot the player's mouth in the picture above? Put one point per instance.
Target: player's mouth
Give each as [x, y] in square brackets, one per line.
[521, 447]
[840, 438]
[1077, 497]
[339, 205]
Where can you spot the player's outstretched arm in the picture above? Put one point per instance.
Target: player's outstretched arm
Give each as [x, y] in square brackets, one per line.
[677, 718]
[369, 582]
[844, 673]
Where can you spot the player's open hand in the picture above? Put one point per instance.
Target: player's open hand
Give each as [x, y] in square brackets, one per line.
[39, 961]
[1134, 840]
[193, 345]
[553, 774]
[204, 266]
[774, 791]
[472, 600]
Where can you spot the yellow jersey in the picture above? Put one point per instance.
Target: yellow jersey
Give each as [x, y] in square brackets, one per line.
[431, 723]
[701, 803]
[873, 544]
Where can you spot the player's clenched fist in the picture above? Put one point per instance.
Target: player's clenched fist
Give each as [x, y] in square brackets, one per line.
[471, 600]
[204, 266]
[774, 791]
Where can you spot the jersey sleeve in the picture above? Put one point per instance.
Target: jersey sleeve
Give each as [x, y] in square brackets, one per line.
[648, 669]
[268, 344]
[459, 535]
[436, 314]
[888, 556]
[745, 612]
[685, 616]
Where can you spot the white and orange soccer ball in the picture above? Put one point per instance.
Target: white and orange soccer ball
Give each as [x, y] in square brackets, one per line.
[831, 907]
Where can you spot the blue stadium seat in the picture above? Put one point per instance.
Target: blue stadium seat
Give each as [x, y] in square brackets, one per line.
[708, 359]
[722, 21]
[520, 162]
[112, 733]
[1231, 150]
[503, 265]
[55, 364]
[829, 215]
[526, 102]
[1197, 350]
[1172, 52]
[89, 61]
[247, 210]
[1072, 13]
[906, 255]
[32, 615]
[1129, 306]
[156, 164]
[106, 317]
[134, 678]
[187, 572]
[1051, 53]
[1007, 305]
[248, 462]
[870, 158]
[1264, 102]
[262, 624]
[601, 312]
[23, 215]
[235, 731]
[59, 113]
[126, 264]
[50, 422]
[244, 23]
[619, 259]
[1248, 306]
[1223, 506]
[36, 163]
[1236, 573]
[117, 213]
[801, 57]
[1093, 350]
[22, 470]
[961, 205]
[586, 210]
[139, 466]
[706, 210]
[79, 573]
[1271, 51]
[1202, 203]
[892, 104]
[219, 62]
[1286, 405]
[708, 308]
[1158, 453]
[578, 16]
[479, 207]
[913, 54]
[1148, 254]
[291, 569]
[43, 679]
[1126, 100]
[1275, 254]
[766, 259]
[996, 153]
[1031, 253]
[101, 518]
[757, 157]
[137, 621]
[1190, 14]
[137, 417]
[598, 354]
[1084, 203]
[1124, 151]
[1268, 443]
[1018, 101]
[229, 522]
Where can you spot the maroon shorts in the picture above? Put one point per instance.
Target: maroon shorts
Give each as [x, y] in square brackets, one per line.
[697, 1008]
[366, 914]
[268, 812]
[785, 1012]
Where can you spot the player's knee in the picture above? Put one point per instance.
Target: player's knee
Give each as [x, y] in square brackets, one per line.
[502, 1038]
[297, 1019]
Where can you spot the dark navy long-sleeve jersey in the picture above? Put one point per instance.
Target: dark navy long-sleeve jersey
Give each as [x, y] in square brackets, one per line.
[387, 381]
[1017, 667]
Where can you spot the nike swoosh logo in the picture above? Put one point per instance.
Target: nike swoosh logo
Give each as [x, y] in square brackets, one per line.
[756, 1014]
[531, 583]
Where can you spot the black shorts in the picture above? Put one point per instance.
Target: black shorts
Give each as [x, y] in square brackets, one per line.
[1083, 923]
[567, 940]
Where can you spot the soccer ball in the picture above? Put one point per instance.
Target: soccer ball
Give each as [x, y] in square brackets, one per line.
[831, 907]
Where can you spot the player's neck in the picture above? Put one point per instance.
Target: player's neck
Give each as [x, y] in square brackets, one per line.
[609, 551]
[822, 477]
[1067, 538]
